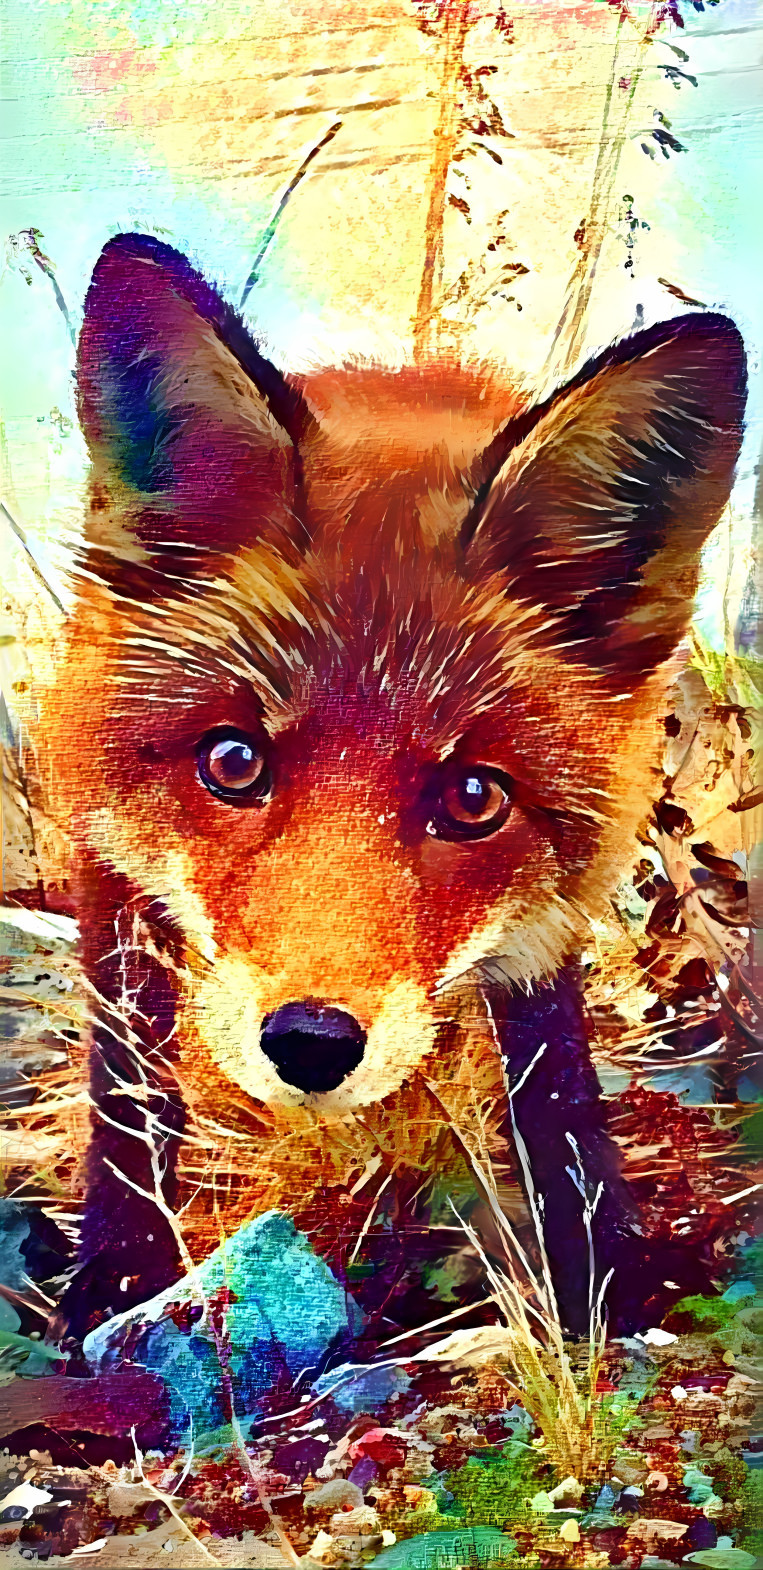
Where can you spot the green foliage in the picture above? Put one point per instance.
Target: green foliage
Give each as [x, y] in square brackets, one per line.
[709, 1314]
[736, 1326]
[751, 1137]
[493, 1492]
[751, 1536]
[618, 1414]
[721, 672]
[728, 1471]
[22, 1355]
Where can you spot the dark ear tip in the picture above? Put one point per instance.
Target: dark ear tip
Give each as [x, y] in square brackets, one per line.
[121, 288]
[142, 247]
[694, 324]
[123, 251]
[718, 354]
[713, 328]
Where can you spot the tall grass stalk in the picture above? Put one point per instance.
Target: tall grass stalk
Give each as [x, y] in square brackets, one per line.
[559, 1395]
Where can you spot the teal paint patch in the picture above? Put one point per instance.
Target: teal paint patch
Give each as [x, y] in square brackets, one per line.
[477, 1545]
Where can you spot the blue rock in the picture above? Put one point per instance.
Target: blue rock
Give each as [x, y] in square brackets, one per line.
[737, 1291]
[701, 1534]
[355, 1388]
[14, 1231]
[262, 1312]
[364, 1472]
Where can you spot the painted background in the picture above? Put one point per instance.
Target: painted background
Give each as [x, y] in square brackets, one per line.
[189, 119]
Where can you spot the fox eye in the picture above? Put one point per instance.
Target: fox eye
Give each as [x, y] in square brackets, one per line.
[232, 765]
[472, 803]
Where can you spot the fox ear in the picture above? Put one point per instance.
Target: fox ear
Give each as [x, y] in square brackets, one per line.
[192, 433]
[601, 498]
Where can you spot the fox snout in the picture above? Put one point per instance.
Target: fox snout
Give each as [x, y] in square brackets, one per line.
[312, 1046]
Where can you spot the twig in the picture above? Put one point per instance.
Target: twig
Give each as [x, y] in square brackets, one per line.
[32, 559]
[166, 1499]
[589, 1211]
[269, 233]
[372, 1212]
[456, 27]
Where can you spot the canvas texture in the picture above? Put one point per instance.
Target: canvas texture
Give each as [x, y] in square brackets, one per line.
[381, 816]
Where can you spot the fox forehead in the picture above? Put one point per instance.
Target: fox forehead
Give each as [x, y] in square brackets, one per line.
[396, 457]
[413, 427]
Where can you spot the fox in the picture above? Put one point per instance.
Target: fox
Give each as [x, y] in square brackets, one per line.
[358, 715]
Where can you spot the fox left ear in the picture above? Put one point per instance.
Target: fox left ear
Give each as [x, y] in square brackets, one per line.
[192, 433]
[601, 499]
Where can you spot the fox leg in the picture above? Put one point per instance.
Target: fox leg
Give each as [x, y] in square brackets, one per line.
[559, 1115]
[128, 1246]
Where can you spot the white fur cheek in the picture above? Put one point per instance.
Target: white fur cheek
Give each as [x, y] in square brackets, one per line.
[224, 1011]
[165, 875]
[402, 1033]
[525, 950]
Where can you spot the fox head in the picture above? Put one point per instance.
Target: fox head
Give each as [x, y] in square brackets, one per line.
[363, 684]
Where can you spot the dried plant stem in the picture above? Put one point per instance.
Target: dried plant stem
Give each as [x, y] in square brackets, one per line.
[564, 1407]
[571, 323]
[166, 1499]
[455, 28]
[283, 201]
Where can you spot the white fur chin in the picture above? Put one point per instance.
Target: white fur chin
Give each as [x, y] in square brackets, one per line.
[525, 951]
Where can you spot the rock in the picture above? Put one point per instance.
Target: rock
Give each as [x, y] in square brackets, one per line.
[723, 1559]
[568, 1492]
[654, 1531]
[699, 1485]
[363, 1472]
[658, 1481]
[301, 1455]
[630, 1471]
[702, 1534]
[362, 1521]
[323, 1544]
[265, 1305]
[332, 1495]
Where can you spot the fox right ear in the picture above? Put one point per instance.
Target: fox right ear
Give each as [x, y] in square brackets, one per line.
[601, 499]
[192, 433]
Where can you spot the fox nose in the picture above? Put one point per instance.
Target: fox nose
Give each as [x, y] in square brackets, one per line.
[312, 1046]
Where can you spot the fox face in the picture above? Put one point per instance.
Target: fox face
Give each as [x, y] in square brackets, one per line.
[362, 693]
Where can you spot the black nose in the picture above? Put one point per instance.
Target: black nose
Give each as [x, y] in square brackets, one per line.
[312, 1047]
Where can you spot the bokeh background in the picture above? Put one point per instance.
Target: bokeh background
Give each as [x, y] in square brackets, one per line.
[189, 120]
